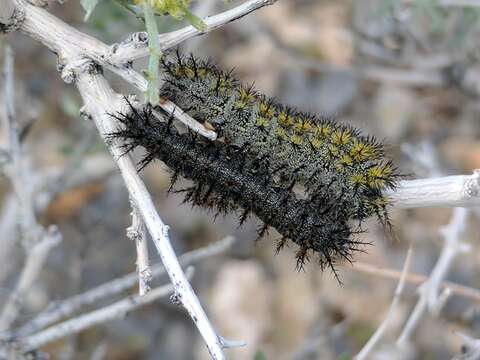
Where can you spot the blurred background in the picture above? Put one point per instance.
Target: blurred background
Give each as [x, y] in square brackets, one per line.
[404, 71]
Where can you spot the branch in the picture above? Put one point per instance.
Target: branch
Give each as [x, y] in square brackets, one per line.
[380, 332]
[182, 116]
[136, 47]
[429, 291]
[416, 279]
[69, 306]
[447, 191]
[36, 240]
[46, 184]
[17, 169]
[100, 100]
[35, 259]
[111, 312]
[136, 233]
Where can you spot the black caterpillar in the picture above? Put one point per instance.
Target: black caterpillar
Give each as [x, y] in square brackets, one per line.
[226, 180]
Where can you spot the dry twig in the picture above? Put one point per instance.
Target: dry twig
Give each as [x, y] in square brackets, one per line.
[37, 241]
[415, 279]
[137, 233]
[67, 307]
[380, 332]
[114, 311]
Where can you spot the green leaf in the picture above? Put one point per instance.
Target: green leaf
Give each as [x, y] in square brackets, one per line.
[88, 6]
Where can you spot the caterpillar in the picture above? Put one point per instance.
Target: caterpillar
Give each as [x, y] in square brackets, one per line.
[327, 159]
[226, 180]
[312, 179]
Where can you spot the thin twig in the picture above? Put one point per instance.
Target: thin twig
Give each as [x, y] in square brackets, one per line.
[380, 332]
[36, 240]
[17, 171]
[46, 184]
[60, 310]
[430, 298]
[415, 279]
[429, 291]
[35, 260]
[137, 233]
[67, 307]
[114, 311]
[137, 46]
[183, 117]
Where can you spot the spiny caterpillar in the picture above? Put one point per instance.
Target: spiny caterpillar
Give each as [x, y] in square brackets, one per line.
[227, 180]
[312, 179]
[329, 160]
